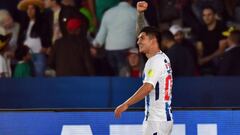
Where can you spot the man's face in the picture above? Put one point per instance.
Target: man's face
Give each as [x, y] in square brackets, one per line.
[8, 22]
[179, 37]
[31, 11]
[144, 42]
[133, 59]
[208, 16]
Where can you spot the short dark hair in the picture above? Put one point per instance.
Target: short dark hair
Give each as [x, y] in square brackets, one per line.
[153, 31]
[167, 35]
[235, 36]
[209, 7]
[21, 52]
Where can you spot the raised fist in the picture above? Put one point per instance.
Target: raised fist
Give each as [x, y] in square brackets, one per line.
[142, 6]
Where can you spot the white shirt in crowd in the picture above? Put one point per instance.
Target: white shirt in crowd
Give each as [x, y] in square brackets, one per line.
[118, 28]
[33, 43]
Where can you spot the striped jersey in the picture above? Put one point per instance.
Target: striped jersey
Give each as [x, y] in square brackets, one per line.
[158, 72]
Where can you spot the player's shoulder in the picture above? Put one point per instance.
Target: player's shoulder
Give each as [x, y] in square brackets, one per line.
[157, 60]
[159, 57]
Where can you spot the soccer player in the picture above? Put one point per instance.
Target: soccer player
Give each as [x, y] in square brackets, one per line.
[156, 88]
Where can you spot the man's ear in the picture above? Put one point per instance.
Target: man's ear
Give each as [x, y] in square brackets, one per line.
[154, 39]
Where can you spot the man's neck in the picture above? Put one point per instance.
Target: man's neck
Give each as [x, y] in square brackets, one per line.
[152, 53]
[212, 26]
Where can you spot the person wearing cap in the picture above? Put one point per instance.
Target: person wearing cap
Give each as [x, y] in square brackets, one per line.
[177, 31]
[70, 55]
[135, 64]
[180, 39]
[31, 33]
[228, 63]
[181, 60]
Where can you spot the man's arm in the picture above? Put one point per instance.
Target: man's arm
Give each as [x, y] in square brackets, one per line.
[217, 53]
[143, 91]
[102, 33]
[141, 21]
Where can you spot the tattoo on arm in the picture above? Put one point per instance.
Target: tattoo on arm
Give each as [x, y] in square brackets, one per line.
[141, 22]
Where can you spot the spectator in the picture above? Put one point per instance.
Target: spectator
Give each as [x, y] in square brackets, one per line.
[31, 33]
[10, 27]
[182, 62]
[85, 7]
[5, 70]
[70, 54]
[23, 68]
[51, 17]
[180, 39]
[208, 43]
[102, 6]
[10, 5]
[229, 65]
[135, 64]
[57, 17]
[117, 32]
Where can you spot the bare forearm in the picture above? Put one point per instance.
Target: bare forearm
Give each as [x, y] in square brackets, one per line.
[210, 57]
[143, 91]
[141, 22]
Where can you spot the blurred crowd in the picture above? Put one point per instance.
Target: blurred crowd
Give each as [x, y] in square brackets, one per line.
[48, 38]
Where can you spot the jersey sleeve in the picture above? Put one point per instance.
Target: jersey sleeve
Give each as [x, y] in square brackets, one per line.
[154, 72]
